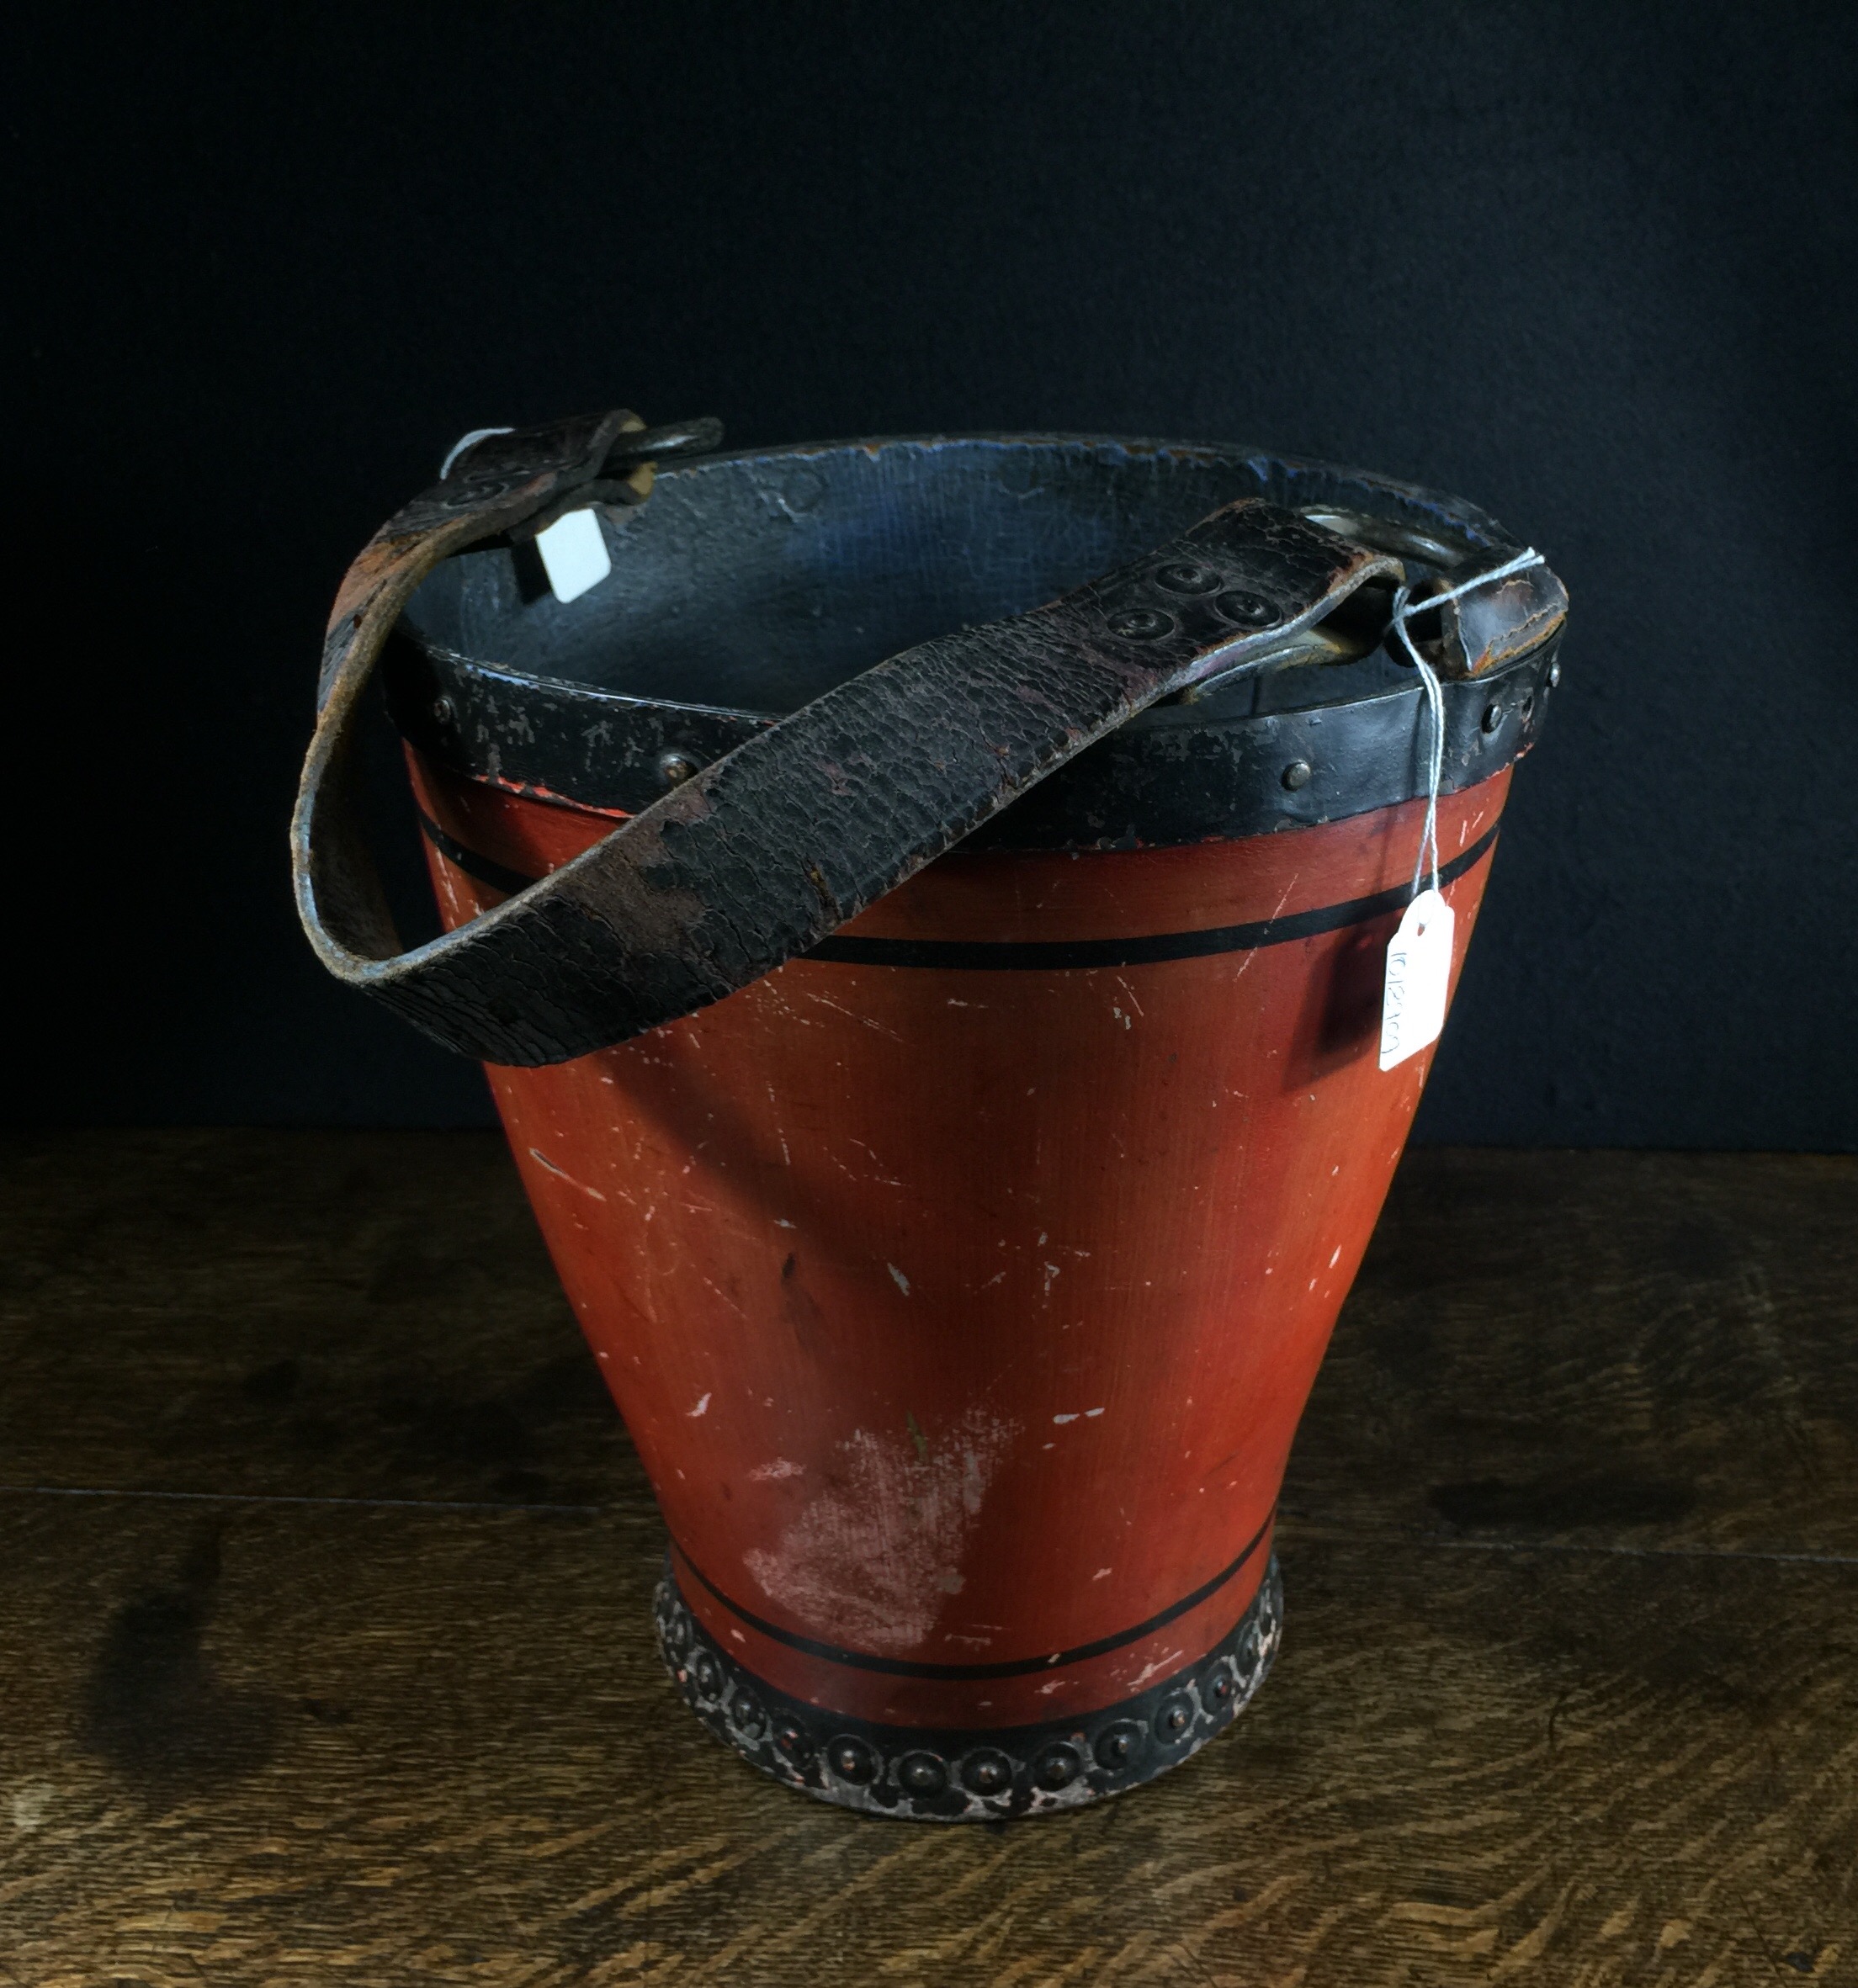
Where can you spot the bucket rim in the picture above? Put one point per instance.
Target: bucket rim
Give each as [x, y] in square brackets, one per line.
[1483, 531]
[1292, 745]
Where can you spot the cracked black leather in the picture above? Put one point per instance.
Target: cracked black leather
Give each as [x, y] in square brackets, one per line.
[764, 852]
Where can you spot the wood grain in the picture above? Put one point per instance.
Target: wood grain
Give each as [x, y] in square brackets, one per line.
[292, 1315]
[1639, 1349]
[1569, 1691]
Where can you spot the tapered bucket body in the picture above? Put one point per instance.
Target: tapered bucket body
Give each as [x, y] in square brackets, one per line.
[962, 1282]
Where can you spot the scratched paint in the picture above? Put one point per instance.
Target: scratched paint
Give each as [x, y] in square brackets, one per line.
[1138, 1257]
[874, 1557]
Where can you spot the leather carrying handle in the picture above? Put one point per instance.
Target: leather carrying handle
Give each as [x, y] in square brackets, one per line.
[764, 852]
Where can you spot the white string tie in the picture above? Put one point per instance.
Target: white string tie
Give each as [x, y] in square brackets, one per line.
[1404, 609]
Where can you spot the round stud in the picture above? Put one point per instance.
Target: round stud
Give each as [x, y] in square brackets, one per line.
[921, 1773]
[1187, 579]
[675, 767]
[707, 1674]
[1219, 1688]
[1493, 717]
[1249, 611]
[1554, 673]
[746, 1715]
[987, 1772]
[1296, 774]
[1057, 1765]
[853, 1761]
[790, 1737]
[1174, 1720]
[444, 710]
[1116, 1746]
[1141, 624]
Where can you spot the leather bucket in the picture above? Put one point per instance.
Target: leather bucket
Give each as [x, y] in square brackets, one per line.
[961, 1256]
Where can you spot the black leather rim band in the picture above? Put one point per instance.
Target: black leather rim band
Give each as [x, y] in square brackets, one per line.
[767, 851]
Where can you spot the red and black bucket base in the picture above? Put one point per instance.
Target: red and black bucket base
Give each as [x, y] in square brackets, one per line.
[983, 1775]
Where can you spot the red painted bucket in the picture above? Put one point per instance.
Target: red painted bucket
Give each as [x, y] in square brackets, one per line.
[962, 1280]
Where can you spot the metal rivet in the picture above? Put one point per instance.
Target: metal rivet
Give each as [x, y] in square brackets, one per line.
[746, 1715]
[1141, 624]
[853, 1761]
[1250, 610]
[1554, 673]
[1057, 1765]
[1218, 1687]
[444, 710]
[1116, 1745]
[1296, 774]
[706, 1673]
[1493, 717]
[986, 1773]
[1173, 1719]
[675, 767]
[1187, 579]
[790, 1737]
[921, 1773]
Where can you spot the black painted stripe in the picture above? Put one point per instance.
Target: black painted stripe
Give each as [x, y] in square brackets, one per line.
[1020, 1667]
[1051, 956]
[482, 867]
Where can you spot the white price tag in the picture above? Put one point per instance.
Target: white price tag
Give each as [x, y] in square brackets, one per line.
[1419, 978]
[574, 554]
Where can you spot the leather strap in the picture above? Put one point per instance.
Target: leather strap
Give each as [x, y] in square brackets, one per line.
[763, 854]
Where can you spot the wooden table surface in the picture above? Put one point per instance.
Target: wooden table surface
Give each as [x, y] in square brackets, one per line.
[324, 1654]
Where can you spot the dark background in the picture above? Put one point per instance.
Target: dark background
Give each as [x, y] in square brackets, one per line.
[1592, 267]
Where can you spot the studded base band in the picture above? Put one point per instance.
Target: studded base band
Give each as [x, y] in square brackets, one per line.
[978, 1776]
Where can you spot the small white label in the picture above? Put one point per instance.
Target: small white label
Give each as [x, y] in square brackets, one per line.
[574, 554]
[1419, 978]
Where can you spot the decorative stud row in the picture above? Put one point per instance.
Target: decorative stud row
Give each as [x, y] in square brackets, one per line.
[973, 1776]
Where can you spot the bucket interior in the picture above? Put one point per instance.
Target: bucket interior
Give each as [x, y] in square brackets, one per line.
[757, 582]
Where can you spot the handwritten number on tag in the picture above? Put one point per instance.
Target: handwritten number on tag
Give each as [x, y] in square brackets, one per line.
[1419, 978]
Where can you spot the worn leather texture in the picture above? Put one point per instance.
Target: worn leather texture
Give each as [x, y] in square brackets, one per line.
[769, 850]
